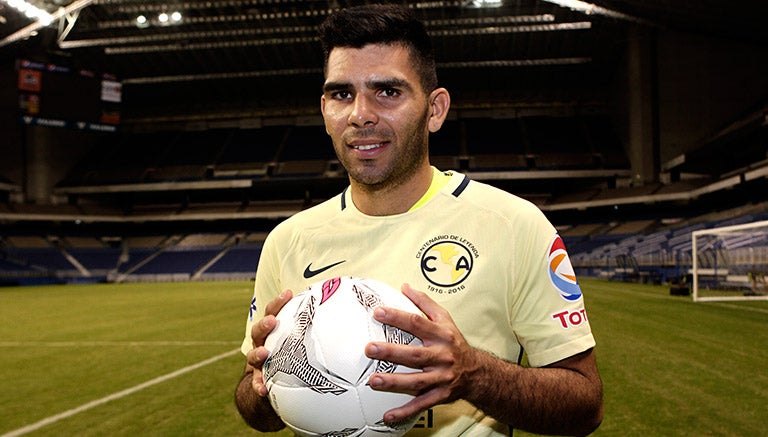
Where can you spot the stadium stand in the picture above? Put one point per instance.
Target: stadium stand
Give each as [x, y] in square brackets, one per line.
[549, 142]
[249, 152]
[490, 151]
[167, 178]
[637, 250]
[126, 159]
[305, 152]
[196, 172]
[559, 143]
[445, 147]
[651, 251]
[281, 169]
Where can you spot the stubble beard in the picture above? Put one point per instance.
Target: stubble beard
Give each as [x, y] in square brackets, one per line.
[369, 176]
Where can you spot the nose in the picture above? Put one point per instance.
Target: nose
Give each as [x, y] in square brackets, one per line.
[363, 113]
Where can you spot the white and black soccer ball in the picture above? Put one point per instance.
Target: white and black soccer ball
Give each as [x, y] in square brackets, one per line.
[317, 372]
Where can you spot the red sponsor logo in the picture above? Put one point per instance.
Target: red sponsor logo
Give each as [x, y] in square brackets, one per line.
[571, 319]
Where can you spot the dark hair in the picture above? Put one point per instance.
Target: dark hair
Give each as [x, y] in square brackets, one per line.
[381, 24]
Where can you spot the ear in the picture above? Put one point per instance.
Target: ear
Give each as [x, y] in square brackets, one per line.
[322, 111]
[439, 103]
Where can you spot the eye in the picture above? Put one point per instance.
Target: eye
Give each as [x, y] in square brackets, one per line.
[389, 92]
[341, 95]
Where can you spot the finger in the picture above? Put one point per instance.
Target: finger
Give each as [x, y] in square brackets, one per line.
[429, 307]
[256, 357]
[415, 324]
[401, 384]
[412, 383]
[414, 407]
[261, 330]
[277, 304]
[415, 357]
[258, 384]
[255, 360]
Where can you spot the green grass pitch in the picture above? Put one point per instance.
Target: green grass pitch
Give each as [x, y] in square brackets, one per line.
[670, 367]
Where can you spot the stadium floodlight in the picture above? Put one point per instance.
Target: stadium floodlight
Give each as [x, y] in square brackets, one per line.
[592, 9]
[166, 18]
[31, 29]
[31, 11]
[142, 22]
[485, 3]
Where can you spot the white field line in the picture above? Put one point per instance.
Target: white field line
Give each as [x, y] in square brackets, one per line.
[69, 413]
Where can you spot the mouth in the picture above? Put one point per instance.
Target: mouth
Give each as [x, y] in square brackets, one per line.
[367, 147]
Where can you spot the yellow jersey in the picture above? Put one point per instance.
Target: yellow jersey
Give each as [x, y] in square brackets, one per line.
[490, 258]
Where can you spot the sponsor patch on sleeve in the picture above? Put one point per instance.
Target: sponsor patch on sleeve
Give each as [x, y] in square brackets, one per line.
[561, 271]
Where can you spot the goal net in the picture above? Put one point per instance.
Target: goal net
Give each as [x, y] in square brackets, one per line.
[730, 263]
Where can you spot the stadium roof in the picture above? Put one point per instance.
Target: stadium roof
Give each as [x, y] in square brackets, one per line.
[263, 57]
[219, 64]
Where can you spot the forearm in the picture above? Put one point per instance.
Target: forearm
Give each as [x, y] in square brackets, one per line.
[549, 400]
[256, 410]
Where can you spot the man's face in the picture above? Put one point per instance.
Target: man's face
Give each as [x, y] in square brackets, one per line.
[376, 113]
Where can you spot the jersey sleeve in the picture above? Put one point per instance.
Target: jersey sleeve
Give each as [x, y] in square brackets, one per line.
[266, 287]
[547, 307]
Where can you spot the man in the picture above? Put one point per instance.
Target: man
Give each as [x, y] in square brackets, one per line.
[494, 276]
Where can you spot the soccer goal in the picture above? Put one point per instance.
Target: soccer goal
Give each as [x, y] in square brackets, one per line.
[730, 263]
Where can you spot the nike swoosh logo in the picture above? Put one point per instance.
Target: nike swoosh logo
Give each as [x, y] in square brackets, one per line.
[308, 272]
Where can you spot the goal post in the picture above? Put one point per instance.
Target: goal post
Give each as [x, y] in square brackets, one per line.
[730, 263]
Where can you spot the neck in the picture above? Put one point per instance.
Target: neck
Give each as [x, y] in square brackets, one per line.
[391, 200]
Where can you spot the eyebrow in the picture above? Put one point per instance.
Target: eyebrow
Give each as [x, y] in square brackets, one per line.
[335, 86]
[373, 84]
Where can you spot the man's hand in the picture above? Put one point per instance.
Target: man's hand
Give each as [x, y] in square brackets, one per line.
[564, 398]
[256, 357]
[251, 393]
[447, 360]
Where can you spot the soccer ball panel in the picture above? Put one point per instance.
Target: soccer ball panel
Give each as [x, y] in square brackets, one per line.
[376, 403]
[340, 333]
[329, 415]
